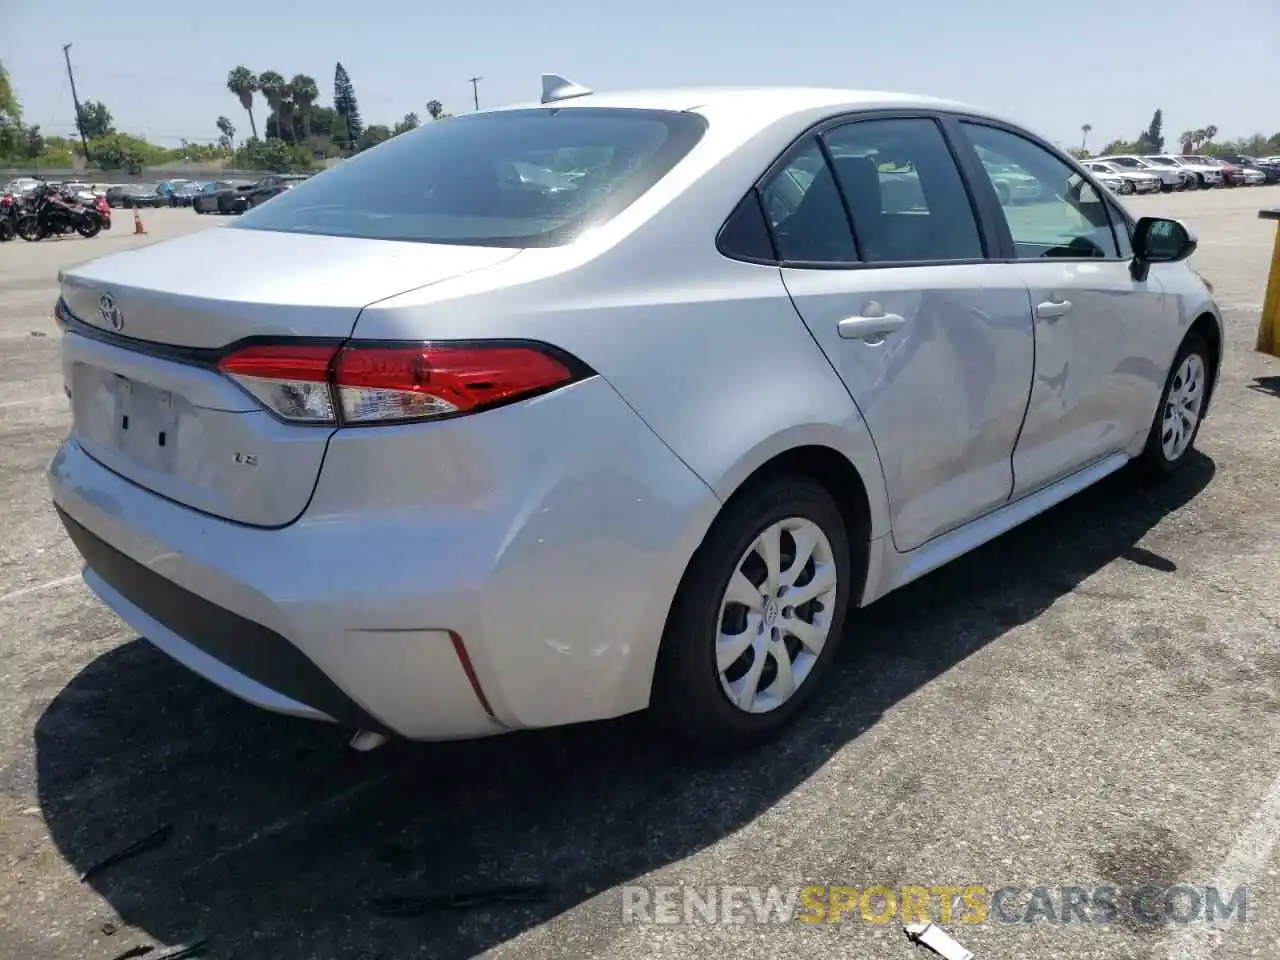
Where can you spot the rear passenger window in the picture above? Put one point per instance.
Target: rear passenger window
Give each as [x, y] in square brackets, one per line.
[1051, 210]
[805, 212]
[745, 235]
[905, 194]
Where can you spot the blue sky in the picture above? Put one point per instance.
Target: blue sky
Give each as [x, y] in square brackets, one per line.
[1053, 66]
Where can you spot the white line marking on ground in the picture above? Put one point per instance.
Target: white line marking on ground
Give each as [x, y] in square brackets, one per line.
[1243, 865]
[37, 587]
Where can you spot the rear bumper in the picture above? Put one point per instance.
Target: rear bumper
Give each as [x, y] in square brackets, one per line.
[488, 574]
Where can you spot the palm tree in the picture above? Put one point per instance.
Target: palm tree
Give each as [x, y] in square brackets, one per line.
[274, 91]
[285, 113]
[228, 132]
[305, 95]
[1084, 129]
[244, 85]
[434, 109]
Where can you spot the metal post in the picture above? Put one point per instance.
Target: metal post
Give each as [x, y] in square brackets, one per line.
[75, 99]
[1269, 325]
[475, 90]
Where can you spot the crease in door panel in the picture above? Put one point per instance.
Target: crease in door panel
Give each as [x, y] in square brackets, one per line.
[1031, 386]
[831, 363]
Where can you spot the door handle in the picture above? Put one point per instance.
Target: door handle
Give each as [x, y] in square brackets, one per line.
[872, 330]
[1053, 309]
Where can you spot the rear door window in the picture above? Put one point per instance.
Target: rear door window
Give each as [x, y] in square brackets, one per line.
[905, 194]
[514, 178]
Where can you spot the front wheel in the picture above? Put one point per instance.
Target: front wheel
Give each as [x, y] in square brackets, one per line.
[758, 616]
[1178, 418]
[1126, 187]
[7, 232]
[29, 229]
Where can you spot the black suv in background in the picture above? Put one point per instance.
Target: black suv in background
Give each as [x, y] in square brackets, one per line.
[262, 191]
[215, 197]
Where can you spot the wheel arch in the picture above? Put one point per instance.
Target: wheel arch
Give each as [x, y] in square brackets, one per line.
[1208, 326]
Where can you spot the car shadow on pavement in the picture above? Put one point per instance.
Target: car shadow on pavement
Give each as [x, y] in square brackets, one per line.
[281, 835]
[1269, 385]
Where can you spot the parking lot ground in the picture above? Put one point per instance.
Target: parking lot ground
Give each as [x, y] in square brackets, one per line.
[1092, 700]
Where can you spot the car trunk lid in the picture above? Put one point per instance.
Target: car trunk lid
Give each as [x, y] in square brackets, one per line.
[145, 329]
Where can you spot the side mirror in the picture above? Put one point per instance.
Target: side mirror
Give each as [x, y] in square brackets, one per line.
[1160, 240]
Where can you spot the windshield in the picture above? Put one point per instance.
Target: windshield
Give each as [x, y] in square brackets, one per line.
[1161, 162]
[515, 178]
[1128, 162]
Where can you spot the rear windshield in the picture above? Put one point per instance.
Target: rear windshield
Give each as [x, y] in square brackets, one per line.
[517, 178]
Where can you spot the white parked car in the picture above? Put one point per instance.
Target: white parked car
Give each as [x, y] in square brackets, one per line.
[443, 451]
[1172, 177]
[1112, 181]
[1232, 173]
[1203, 175]
[21, 186]
[1128, 181]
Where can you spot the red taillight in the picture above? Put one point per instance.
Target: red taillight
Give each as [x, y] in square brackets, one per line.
[290, 381]
[370, 384]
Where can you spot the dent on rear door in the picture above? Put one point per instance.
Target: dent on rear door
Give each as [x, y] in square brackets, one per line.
[943, 396]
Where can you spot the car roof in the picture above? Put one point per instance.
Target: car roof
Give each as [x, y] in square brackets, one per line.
[757, 105]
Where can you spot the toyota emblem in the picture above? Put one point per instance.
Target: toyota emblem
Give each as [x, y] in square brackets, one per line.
[109, 312]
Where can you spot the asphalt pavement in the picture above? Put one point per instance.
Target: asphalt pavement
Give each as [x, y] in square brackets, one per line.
[1092, 701]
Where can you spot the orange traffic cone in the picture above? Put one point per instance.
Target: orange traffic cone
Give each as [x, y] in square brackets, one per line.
[137, 223]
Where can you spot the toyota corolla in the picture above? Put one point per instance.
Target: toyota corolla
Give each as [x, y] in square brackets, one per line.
[609, 403]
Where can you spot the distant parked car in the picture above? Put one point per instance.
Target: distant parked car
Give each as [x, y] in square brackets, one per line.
[1133, 181]
[185, 193]
[1172, 177]
[1115, 182]
[262, 191]
[1203, 175]
[142, 195]
[1234, 174]
[207, 200]
[258, 197]
[1270, 170]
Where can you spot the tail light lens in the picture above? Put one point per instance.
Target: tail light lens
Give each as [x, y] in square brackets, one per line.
[379, 384]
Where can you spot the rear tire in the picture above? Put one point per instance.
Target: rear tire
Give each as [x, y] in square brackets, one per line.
[7, 232]
[88, 227]
[697, 674]
[1126, 187]
[1181, 411]
[29, 229]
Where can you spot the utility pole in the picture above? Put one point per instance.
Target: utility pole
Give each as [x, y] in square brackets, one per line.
[475, 90]
[66, 52]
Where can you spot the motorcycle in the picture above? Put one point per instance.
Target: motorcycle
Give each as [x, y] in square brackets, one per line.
[50, 215]
[104, 212]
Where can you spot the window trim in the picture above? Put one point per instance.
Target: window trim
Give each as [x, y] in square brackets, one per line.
[983, 186]
[988, 231]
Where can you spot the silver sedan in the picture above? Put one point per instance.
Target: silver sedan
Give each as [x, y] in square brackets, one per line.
[611, 402]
